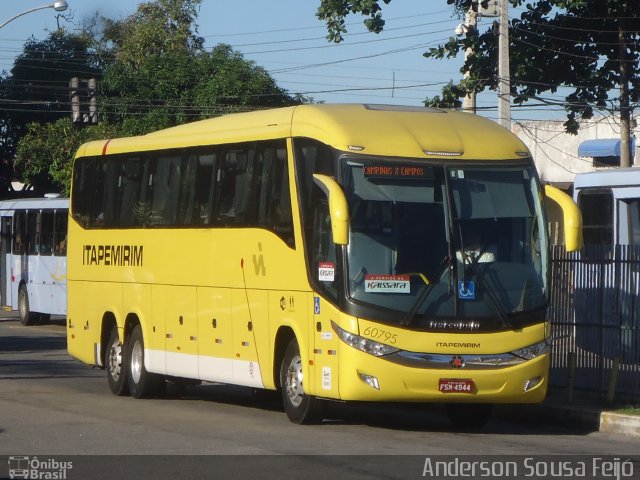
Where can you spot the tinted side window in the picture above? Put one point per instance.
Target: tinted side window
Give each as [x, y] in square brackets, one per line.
[312, 157]
[238, 185]
[46, 232]
[19, 232]
[237, 174]
[33, 231]
[60, 233]
[84, 178]
[597, 217]
[633, 207]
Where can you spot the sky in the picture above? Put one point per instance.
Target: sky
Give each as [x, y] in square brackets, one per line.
[287, 39]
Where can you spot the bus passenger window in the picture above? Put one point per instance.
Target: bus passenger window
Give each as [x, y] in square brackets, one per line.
[633, 208]
[33, 229]
[236, 183]
[46, 232]
[272, 190]
[60, 233]
[19, 232]
[204, 185]
[227, 186]
[130, 182]
[597, 217]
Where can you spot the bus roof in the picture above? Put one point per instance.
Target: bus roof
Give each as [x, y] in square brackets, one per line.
[32, 203]
[613, 177]
[414, 132]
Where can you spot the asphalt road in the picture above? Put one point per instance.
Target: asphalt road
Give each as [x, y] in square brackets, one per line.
[52, 406]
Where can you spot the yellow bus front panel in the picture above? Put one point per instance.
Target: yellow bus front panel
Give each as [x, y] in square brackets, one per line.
[406, 384]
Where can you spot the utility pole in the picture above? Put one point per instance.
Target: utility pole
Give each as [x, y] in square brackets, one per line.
[504, 79]
[471, 25]
[625, 112]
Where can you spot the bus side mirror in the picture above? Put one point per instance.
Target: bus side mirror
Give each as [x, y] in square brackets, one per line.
[571, 217]
[338, 208]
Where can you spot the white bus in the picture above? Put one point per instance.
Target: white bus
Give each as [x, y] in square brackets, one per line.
[33, 262]
[607, 281]
[610, 204]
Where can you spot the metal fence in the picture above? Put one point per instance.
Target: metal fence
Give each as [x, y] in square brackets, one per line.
[595, 312]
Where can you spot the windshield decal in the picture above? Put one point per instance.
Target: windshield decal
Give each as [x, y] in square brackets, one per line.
[387, 284]
[467, 290]
[326, 271]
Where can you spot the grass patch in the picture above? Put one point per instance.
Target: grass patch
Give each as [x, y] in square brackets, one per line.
[628, 410]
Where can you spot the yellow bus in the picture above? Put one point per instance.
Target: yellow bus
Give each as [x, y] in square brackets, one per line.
[332, 252]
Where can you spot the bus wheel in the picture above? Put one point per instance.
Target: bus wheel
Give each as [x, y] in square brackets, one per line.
[27, 317]
[141, 383]
[116, 373]
[300, 408]
[469, 416]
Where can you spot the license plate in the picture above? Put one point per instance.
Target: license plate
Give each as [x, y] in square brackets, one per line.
[451, 385]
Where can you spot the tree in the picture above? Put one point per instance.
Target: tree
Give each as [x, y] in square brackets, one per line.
[155, 74]
[46, 151]
[577, 45]
[36, 90]
[162, 76]
[334, 12]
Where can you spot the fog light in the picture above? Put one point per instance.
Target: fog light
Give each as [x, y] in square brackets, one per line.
[369, 380]
[532, 382]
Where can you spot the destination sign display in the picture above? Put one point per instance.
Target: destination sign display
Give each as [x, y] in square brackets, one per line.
[396, 171]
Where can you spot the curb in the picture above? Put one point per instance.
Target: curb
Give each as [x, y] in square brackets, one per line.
[583, 417]
[620, 424]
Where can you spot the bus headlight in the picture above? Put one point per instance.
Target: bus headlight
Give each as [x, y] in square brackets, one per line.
[363, 344]
[534, 351]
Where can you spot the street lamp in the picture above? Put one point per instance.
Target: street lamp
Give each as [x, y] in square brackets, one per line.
[58, 6]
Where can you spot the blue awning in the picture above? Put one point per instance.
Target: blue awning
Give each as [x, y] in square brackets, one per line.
[603, 147]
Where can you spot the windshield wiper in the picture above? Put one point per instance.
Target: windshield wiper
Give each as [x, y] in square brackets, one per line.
[493, 301]
[422, 297]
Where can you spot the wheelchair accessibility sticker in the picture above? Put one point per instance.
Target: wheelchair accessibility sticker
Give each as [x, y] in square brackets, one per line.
[466, 290]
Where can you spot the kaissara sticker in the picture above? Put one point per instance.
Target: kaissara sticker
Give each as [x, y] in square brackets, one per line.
[387, 284]
[326, 271]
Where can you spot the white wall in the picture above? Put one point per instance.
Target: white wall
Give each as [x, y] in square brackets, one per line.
[555, 152]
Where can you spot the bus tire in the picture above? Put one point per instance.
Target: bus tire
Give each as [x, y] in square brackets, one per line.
[299, 407]
[141, 383]
[469, 416]
[27, 317]
[115, 365]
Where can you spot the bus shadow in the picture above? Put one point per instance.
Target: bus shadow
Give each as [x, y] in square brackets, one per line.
[15, 344]
[388, 416]
[12, 317]
[38, 357]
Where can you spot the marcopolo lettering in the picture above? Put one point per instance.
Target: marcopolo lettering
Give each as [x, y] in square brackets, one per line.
[112, 255]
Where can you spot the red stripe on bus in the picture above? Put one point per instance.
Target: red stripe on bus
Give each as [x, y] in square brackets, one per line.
[104, 147]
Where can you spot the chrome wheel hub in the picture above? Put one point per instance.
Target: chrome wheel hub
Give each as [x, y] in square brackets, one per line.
[136, 362]
[293, 381]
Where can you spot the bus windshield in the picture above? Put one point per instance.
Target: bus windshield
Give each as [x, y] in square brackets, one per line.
[437, 243]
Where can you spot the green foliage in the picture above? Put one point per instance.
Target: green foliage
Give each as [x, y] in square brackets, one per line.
[569, 44]
[562, 43]
[451, 94]
[162, 27]
[35, 89]
[154, 74]
[46, 151]
[333, 12]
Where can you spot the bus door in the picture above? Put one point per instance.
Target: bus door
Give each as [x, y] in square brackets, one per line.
[5, 266]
